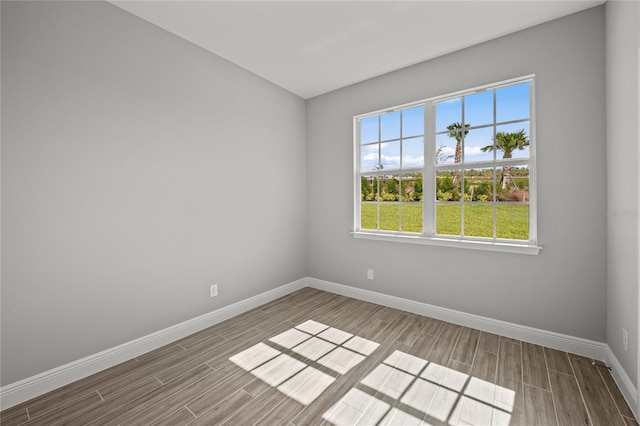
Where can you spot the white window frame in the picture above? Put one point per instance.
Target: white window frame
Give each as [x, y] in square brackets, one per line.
[428, 236]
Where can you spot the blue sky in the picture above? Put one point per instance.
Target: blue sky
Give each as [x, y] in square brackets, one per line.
[512, 103]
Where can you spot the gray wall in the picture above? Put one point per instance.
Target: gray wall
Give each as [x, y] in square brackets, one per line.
[623, 42]
[564, 288]
[137, 169]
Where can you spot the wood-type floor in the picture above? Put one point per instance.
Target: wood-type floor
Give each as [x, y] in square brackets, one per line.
[313, 358]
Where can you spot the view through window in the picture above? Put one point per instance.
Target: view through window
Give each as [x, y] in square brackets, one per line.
[477, 181]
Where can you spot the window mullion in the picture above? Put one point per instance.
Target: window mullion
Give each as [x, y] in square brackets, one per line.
[378, 190]
[495, 203]
[462, 170]
[533, 185]
[357, 208]
[429, 173]
[378, 204]
[462, 204]
[400, 193]
[495, 159]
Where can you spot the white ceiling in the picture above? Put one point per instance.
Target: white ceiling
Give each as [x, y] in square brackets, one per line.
[313, 47]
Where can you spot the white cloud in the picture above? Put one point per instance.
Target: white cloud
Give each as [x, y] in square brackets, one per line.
[390, 160]
[472, 150]
[447, 150]
[411, 161]
[371, 157]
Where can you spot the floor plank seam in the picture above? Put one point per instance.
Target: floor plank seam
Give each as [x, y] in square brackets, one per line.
[584, 401]
[522, 388]
[600, 373]
[561, 372]
[194, 416]
[553, 396]
[537, 387]
[475, 352]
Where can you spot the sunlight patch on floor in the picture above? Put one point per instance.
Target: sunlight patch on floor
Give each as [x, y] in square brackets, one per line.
[278, 369]
[307, 385]
[290, 338]
[314, 348]
[341, 360]
[254, 356]
[323, 347]
[408, 390]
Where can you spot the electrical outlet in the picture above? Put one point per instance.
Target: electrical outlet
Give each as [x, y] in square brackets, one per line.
[369, 274]
[213, 290]
[625, 339]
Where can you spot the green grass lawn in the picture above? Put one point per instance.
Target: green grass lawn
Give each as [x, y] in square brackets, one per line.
[512, 220]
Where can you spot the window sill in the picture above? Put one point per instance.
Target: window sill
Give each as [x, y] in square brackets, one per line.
[499, 246]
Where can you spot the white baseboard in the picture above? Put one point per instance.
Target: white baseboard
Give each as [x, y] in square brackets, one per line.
[623, 381]
[576, 345]
[563, 342]
[32, 387]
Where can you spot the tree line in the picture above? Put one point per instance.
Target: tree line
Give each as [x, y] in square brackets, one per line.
[513, 186]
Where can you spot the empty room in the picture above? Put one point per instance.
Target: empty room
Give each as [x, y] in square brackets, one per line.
[320, 212]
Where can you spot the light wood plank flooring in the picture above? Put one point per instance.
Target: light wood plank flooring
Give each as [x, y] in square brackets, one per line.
[317, 358]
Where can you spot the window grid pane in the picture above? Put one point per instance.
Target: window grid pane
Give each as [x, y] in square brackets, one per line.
[393, 142]
[480, 138]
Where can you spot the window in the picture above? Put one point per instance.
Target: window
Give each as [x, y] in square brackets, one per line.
[477, 187]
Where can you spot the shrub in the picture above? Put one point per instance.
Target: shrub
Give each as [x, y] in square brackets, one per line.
[444, 196]
[389, 197]
[390, 186]
[417, 189]
[483, 188]
[445, 184]
[365, 188]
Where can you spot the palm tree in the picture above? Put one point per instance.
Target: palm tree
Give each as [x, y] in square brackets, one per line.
[455, 131]
[507, 142]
